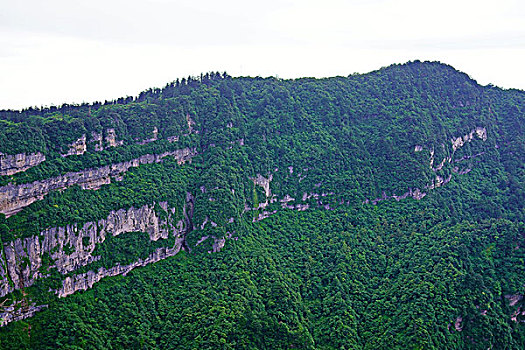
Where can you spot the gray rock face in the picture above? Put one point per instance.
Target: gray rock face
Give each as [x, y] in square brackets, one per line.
[218, 244]
[479, 131]
[24, 257]
[77, 148]
[111, 138]
[14, 163]
[86, 280]
[96, 138]
[101, 143]
[445, 163]
[191, 124]
[72, 246]
[15, 197]
[518, 310]
[16, 313]
[265, 184]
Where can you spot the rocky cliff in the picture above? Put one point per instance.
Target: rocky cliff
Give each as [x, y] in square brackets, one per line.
[72, 246]
[14, 163]
[15, 197]
[18, 311]
[111, 138]
[77, 148]
[445, 163]
[86, 280]
[98, 140]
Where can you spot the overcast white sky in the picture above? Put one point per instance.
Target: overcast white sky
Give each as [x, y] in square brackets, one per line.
[58, 51]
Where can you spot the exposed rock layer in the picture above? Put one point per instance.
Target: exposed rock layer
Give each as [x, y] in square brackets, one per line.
[439, 180]
[458, 142]
[16, 312]
[14, 163]
[111, 138]
[77, 148]
[86, 280]
[70, 247]
[15, 197]
[155, 137]
[24, 258]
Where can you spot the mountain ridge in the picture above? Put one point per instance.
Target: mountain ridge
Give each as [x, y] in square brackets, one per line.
[410, 64]
[383, 210]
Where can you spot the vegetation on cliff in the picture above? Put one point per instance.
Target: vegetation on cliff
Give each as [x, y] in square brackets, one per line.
[392, 217]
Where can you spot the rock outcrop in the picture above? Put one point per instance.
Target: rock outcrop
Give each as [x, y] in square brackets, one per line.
[14, 163]
[458, 142]
[515, 301]
[77, 148]
[15, 197]
[439, 180]
[415, 194]
[191, 124]
[263, 215]
[72, 246]
[96, 138]
[86, 280]
[17, 312]
[111, 138]
[264, 183]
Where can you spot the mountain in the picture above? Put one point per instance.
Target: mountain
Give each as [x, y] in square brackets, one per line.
[374, 211]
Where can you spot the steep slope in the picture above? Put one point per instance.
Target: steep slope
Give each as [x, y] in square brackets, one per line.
[383, 210]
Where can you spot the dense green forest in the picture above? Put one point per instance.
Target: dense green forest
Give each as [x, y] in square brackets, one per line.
[375, 211]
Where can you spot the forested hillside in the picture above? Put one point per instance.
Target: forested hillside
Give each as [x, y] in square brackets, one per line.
[375, 211]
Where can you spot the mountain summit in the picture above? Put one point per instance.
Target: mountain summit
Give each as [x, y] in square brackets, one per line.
[375, 211]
